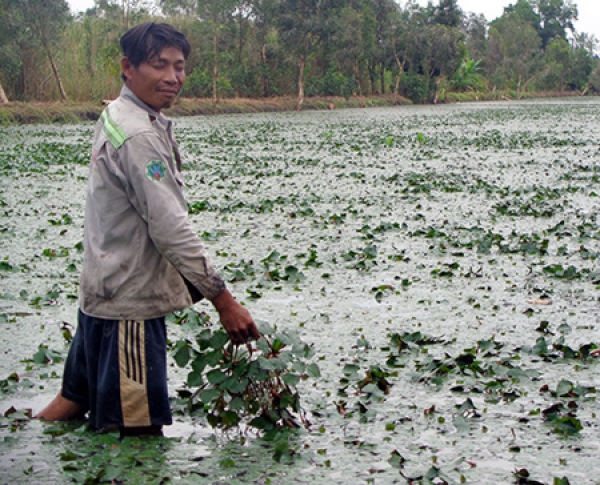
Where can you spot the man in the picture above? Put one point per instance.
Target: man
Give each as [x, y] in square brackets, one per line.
[142, 259]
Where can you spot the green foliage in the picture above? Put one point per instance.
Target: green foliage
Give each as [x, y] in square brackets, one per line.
[258, 50]
[467, 77]
[199, 85]
[253, 384]
[333, 83]
[414, 87]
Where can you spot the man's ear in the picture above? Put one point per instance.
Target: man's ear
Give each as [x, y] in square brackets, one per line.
[126, 67]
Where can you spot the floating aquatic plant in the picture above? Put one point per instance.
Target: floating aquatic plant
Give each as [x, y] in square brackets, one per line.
[253, 384]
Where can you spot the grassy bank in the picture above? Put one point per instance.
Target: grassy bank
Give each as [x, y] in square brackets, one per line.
[72, 112]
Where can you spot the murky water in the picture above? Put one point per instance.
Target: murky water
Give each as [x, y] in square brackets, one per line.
[459, 222]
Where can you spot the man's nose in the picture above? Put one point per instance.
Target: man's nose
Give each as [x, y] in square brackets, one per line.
[171, 75]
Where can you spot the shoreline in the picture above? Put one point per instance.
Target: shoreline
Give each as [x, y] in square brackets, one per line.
[22, 113]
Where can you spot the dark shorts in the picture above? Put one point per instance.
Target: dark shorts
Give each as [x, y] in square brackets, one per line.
[117, 370]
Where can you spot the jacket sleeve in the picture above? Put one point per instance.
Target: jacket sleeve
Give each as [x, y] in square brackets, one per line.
[153, 189]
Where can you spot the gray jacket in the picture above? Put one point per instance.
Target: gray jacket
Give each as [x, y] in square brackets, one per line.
[139, 247]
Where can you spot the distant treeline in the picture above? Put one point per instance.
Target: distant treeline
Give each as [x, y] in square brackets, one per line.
[265, 48]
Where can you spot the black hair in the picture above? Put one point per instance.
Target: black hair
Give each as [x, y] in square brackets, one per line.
[142, 42]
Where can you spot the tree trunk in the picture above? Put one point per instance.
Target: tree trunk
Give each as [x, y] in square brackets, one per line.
[241, 39]
[126, 8]
[585, 91]
[436, 97]
[301, 66]
[372, 78]
[240, 49]
[263, 59]
[3, 98]
[536, 75]
[215, 67]
[356, 74]
[63, 94]
[400, 72]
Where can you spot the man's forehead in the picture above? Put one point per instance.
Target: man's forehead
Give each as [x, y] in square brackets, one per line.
[168, 53]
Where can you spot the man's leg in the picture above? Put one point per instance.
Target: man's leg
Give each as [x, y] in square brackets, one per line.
[60, 409]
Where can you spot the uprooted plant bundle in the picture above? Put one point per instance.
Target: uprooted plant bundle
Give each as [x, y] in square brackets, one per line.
[252, 384]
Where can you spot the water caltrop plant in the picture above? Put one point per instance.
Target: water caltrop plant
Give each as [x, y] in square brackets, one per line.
[252, 384]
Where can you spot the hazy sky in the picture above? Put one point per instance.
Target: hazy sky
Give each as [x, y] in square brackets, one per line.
[589, 11]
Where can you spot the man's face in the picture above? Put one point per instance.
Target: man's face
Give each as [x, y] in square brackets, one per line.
[158, 81]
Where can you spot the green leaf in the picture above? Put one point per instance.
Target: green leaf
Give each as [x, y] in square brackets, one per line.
[396, 460]
[213, 358]
[540, 347]
[227, 463]
[563, 388]
[561, 481]
[233, 385]
[209, 395]
[262, 423]
[229, 418]
[568, 425]
[199, 362]
[237, 404]
[70, 456]
[195, 379]
[313, 371]
[291, 379]
[265, 328]
[467, 405]
[516, 373]
[111, 473]
[41, 356]
[218, 340]
[182, 353]
[263, 346]
[216, 376]
[350, 370]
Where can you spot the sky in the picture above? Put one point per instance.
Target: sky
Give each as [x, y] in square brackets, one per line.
[589, 11]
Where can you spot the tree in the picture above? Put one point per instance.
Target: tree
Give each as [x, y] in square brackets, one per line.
[46, 19]
[557, 16]
[400, 39]
[516, 45]
[265, 14]
[526, 10]
[550, 18]
[447, 52]
[386, 14]
[8, 36]
[582, 66]
[299, 28]
[467, 77]
[568, 66]
[594, 80]
[558, 61]
[183, 8]
[475, 29]
[215, 13]
[346, 42]
[448, 13]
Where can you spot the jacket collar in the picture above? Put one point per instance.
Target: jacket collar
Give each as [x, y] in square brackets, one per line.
[127, 93]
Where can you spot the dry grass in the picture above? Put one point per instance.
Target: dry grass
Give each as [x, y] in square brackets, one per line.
[23, 113]
[71, 112]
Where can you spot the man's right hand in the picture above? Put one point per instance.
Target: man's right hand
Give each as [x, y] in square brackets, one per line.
[236, 319]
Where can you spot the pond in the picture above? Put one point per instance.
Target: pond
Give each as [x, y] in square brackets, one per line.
[453, 250]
